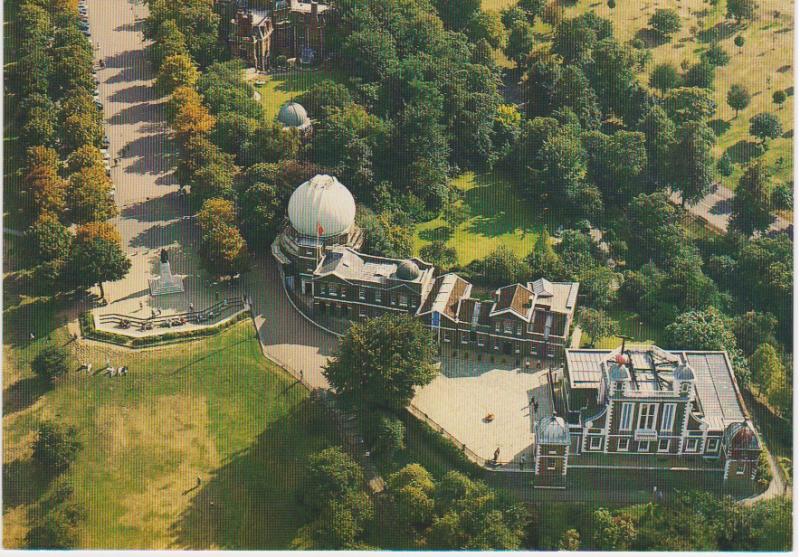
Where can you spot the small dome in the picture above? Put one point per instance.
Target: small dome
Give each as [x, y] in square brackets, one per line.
[407, 270]
[293, 115]
[322, 206]
[683, 373]
[552, 430]
[618, 373]
[740, 436]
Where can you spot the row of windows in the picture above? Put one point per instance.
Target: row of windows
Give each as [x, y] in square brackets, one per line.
[647, 416]
[471, 337]
[340, 291]
[693, 445]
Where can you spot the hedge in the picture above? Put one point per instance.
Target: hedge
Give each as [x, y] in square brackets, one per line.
[88, 330]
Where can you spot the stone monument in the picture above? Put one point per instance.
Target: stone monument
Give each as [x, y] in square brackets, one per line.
[166, 283]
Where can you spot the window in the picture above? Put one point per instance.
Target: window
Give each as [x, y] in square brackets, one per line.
[394, 299]
[322, 287]
[343, 292]
[480, 340]
[497, 326]
[663, 445]
[684, 388]
[445, 336]
[712, 446]
[622, 444]
[644, 446]
[551, 464]
[378, 296]
[464, 338]
[362, 311]
[692, 445]
[508, 327]
[533, 349]
[741, 468]
[595, 442]
[626, 418]
[668, 417]
[519, 329]
[362, 295]
[403, 300]
[647, 416]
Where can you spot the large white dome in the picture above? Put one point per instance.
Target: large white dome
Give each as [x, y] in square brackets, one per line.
[322, 202]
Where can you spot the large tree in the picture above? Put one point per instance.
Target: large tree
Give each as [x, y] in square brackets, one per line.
[380, 362]
[765, 126]
[89, 196]
[597, 324]
[56, 446]
[665, 22]
[44, 187]
[741, 9]
[97, 256]
[664, 77]
[177, 70]
[692, 161]
[751, 207]
[51, 363]
[738, 98]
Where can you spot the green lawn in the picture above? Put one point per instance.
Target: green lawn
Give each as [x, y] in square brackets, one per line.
[632, 325]
[281, 88]
[214, 409]
[499, 214]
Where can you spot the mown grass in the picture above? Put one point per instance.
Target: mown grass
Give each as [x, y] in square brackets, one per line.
[631, 324]
[214, 409]
[282, 88]
[500, 213]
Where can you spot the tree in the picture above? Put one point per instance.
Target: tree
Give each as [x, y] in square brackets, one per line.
[533, 8]
[380, 362]
[741, 9]
[411, 488]
[779, 97]
[331, 474]
[664, 77]
[782, 196]
[324, 96]
[385, 434]
[89, 196]
[47, 239]
[716, 56]
[659, 132]
[692, 161]
[84, 157]
[457, 14]
[612, 532]
[570, 539]
[597, 324]
[738, 98]
[224, 251]
[573, 91]
[375, 51]
[739, 42]
[44, 188]
[192, 118]
[177, 70]
[753, 328]
[539, 83]
[617, 163]
[700, 75]
[170, 41]
[489, 27]
[574, 39]
[543, 261]
[520, 41]
[751, 207]
[215, 179]
[765, 126]
[57, 527]
[655, 231]
[56, 446]
[768, 371]
[499, 268]
[261, 213]
[665, 22]
[689, 104]
[51, 363]
[440, 254]
[339, 524]
[553, 13]
[96, 256]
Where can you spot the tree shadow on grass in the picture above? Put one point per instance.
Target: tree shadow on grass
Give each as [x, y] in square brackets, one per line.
[720, 31]
[440, 234]
[719, 126]
[23, 394]
[23, 483]
[743, 151]
[650, 37]
[251, 501]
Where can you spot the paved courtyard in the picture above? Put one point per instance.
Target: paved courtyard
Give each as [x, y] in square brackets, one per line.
[466, 391]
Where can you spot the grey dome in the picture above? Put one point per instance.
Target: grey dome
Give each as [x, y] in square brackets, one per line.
[407, 270]
[293, 115]
[552, 430]
[322, 207]
[683, 373]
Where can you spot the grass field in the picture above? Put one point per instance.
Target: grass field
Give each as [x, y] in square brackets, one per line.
[281, 88]
[631, 325]
[499, 214]
[763, 65]
[214, 409]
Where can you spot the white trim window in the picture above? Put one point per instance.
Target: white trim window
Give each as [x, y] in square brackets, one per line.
[394, 299]
[403, 300]
[322, 288]
[713, 445]
[508, 326]
[741, 468]
[362, 294]
[378, 295]
[445, 335]
[644, 446]
[626, 416]
[519, 329]
[693, 444]
[668, 417]
[647, 415]
[464, 338]
[663, 445]
[551, 464]
[343, 291]
[497, 326]
[362, 311]
[595, 442]
[623, 444]
[480, 340]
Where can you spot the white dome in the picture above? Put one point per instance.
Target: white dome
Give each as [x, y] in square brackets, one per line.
[322, 201]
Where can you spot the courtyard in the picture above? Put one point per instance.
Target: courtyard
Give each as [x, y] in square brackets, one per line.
[467, 391]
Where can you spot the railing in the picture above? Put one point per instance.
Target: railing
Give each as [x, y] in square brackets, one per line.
[469, 453]
[218, 310]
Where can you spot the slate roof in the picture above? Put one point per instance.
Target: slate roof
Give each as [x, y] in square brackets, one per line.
[515, 298]
[352, 266]
[445, 295]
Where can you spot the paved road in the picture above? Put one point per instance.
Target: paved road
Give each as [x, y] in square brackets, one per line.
[715, 209]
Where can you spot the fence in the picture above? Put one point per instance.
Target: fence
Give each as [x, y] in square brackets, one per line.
[469, 453]
[216, 312]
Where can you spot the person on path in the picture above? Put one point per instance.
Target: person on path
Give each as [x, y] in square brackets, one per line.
[496, 454]
[535, 407]
[533, 400]
[33, 337]
[141, 305]
[199, 481]
[522, 462]
[191, 307]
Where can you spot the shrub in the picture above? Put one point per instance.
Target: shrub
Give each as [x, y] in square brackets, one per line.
[384, 433]
[56, 446]
[763, 472]
[782, 196]
[50, 363]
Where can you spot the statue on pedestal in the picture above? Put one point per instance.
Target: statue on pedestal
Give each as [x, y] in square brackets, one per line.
[166, 283]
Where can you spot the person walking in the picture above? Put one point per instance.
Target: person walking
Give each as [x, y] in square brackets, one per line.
[522, 460]
[496, 455]
[535, 407]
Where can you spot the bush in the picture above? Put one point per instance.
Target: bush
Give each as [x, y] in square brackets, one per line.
[763, 472]
[57, 528]
[384, 433]
[725, 165]
[331, 474]
[782, 196]
[56, 446]
[50, 363]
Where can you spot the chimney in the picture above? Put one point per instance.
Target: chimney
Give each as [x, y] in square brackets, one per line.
[314, 8]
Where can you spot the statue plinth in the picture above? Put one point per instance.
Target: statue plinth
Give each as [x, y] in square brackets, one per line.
[166, 283]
